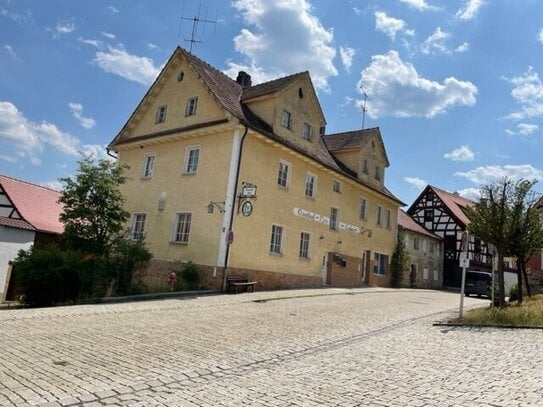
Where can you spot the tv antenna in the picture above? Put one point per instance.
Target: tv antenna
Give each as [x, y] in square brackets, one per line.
[197, 22]
[364, 110]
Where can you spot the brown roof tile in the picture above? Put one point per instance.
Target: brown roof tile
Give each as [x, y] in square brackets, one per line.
[16, 223]
[270, 87]
[455, 203]
[406, 222]
[353, 139]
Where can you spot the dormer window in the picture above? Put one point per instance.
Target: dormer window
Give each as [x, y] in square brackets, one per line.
[161, 114]
[307, 132]
[286, 119]
[192, 105]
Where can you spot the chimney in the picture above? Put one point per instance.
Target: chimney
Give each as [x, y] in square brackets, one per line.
[244, 79]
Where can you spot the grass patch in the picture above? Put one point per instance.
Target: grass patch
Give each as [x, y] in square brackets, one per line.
[529, 313]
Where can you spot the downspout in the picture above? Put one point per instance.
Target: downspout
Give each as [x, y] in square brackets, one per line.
[234, 197]
[110, 154]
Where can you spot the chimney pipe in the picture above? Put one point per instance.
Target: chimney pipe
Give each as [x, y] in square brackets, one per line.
[244, 79]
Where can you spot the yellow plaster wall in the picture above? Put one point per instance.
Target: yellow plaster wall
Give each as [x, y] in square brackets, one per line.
[274, 205]
[173, 93]
[190, 193]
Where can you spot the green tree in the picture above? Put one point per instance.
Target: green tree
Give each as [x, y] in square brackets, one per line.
[490, 221]
[93, 217]
[526, 233]
[399, 260]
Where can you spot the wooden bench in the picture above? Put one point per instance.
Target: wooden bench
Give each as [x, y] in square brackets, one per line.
[233, 283]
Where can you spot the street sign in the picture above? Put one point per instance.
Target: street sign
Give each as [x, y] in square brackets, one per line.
[463, 260]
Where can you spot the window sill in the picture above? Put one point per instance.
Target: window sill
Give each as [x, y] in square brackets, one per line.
[305, 259]
[311, 198]
[276, 254]
[179, 243]
[189, 173]
[146, 178]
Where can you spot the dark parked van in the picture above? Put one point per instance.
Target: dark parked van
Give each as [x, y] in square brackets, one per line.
[478, 282]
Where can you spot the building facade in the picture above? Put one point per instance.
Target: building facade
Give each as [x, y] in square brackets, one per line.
[242, 179]
[425, 266]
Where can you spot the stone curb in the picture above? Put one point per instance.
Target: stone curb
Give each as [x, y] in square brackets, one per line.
[462, 325]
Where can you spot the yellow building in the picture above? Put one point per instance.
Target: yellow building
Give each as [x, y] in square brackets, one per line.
[241, 179]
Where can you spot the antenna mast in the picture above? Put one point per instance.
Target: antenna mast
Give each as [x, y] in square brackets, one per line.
[364, 110]
[196, 20]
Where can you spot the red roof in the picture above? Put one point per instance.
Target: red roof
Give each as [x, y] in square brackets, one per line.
[38, 206]
[407, 222]
[455, 203]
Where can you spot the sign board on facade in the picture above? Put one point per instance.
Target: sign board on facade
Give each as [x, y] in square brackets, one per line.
[304, 213]
[248, 191]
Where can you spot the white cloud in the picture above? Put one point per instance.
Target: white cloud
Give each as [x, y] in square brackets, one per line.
[77, 111]
[394, 88]
[347, 55]
[419, 4]
[416, 182]
[470, 9]
[390, 26]
[131, 67]
[462, 48]
[491, 173]
[281, 28]
[462, 153]
[21, 19]
[436, 42]
[108, 35]
[357, 11]
[470, 193]
[56, 185]
[523, 129]
[65, 28]
[113, 9]
[153, 46]
[9, 48]
[528, 92]
[94, 43]
[540, 36]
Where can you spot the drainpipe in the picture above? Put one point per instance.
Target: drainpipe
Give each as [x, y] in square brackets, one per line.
[231, 195]
[110, 154]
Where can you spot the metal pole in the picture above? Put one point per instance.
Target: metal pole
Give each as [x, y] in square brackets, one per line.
[464, 249]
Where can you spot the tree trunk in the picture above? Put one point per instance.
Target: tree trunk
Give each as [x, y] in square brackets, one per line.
[501, 281]
[520, 268]
[528, 288]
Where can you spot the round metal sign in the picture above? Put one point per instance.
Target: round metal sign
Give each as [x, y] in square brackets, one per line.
[247, 208]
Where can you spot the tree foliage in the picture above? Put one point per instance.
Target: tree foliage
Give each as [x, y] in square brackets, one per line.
[506, 217]
[399, 260]
[93, 217]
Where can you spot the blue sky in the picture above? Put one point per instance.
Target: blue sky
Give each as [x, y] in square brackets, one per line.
[454, 85]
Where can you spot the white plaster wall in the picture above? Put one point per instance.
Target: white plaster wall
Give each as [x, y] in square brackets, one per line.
[11, 241]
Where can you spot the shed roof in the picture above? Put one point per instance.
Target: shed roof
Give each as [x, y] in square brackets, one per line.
[406, 222]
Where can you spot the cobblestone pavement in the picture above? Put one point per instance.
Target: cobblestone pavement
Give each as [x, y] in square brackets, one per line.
[332, 347]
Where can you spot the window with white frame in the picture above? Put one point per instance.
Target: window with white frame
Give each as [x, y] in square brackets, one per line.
[192, 106]
[283, 174]
[425, 273]
[365, 167]
[336, 186]
[138, 226]
[286, 119]
[161, 114]
[334, 219]
[307, 132]
[148, 165]
[310, 185]
[379, 216]
[378, 173]
[436, 275]
[192, 156]
[363, 208]
[276, 242]
[388, 218]
[416, 243]
[380, 263]
[304, 245]
[182, 227]
[432, 247]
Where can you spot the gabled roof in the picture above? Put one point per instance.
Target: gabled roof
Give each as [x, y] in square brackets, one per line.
[354, 139]
[407, 222]
[229, 95]
[452, 201]
[38, 206]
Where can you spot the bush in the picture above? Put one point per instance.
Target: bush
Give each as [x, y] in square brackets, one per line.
[127, 258]
[188, 277]
[513, 293]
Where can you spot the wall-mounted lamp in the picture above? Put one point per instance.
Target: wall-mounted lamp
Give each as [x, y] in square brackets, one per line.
[211, 206]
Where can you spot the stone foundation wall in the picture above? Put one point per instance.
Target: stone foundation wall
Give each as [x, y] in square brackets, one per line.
[268, 280]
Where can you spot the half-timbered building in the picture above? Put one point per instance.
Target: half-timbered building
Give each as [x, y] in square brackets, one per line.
[443, 214]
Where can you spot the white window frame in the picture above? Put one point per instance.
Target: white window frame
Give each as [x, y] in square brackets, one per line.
[286, 178]
[388, 218]
[305, 245]
[416, 243]
[138, 226]
[363, 208]
[334, 223]
[148, 165]
[276, 239]
[378, 267]
[189, 167]
[286, 119]
[181, 227]
[336, 186]
[307, 132]
[379, 215]
[365, 166]
[161, 114]
[313, 190]
[192, 106]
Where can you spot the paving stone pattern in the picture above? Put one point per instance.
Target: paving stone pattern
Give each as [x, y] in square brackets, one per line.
[331, 347]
